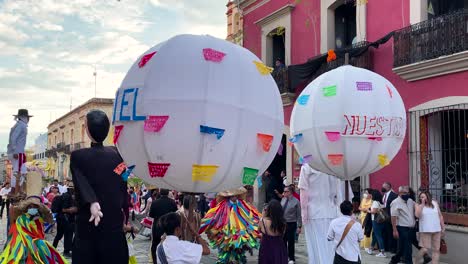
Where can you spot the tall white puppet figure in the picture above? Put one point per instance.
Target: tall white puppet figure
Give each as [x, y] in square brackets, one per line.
[321, 195]
[16, 151]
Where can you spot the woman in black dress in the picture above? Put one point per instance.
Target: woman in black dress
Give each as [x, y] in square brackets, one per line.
[272, 226]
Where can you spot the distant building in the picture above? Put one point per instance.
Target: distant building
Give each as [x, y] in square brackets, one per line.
[68, 133]
[234, 23]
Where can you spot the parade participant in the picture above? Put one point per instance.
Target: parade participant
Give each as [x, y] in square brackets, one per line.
[26, 238]
[174, 251]
[320, 196]
[160, 207]
[66, 219]
[190, 220]
[232, 226]
[4, 192]
[100, 194]
[16, 152]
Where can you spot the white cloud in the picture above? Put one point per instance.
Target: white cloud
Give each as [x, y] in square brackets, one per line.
[49, 26]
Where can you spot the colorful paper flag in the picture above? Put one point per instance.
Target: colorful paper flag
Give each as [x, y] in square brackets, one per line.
[389, 91]
[155, 123]
[120, 168]
[117, 131]
[383, 160]
[145, 59]
[295, 138]
[306, 159]
[262, 68]
[303, 99]
[259, 181]
[213, 55]
[329, 91]
[158, 169]
[280, 149]
[335, 159]
[212, 130]
[265, 141]
[375, 138]
[249, 175]
[128, 172]
[203, 173]
[333, 136]
[364, 86]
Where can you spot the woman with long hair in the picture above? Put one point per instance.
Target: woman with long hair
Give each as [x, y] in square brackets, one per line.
[431, 227]
[365, 208]
[273, 226]
[377, 227]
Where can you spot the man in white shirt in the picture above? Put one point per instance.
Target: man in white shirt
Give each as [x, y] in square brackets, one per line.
[320, 196]
[174, 251]
[346, 234]
[16, 148]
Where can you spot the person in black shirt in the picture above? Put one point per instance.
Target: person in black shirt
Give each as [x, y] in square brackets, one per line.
[100, 194]
[66, 220]
[160, 207]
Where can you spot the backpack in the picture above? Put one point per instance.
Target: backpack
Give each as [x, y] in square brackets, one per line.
[56, 206]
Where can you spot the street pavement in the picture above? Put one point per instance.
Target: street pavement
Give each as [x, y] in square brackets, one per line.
[142, 245]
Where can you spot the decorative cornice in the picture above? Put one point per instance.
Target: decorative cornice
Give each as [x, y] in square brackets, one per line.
[245, 3]
[431, 68]
[275, 15]
[254, 7]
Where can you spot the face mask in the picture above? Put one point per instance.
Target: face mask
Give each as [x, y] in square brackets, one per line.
[365, 196]
[405, 197]
[32, 211]
[384, 190]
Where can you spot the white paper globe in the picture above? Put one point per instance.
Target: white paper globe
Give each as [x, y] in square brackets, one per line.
[350, 114]
[184, 81]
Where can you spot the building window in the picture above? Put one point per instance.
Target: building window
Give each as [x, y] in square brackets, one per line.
[345, 25]
[442, 7]
[83, 132]
[72, 141]
[55, 141]
[63, 137]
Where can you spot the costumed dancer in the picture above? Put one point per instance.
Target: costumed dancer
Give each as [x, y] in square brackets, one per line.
[15, 149]
[321, 195]
[101, 197]
[26, 238]
[232, 226]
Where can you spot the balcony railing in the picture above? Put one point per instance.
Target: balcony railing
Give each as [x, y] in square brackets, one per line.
[77, 146]
[430, 39]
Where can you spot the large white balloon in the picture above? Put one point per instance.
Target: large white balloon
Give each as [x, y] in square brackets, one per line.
[198, 114]
[348, 122]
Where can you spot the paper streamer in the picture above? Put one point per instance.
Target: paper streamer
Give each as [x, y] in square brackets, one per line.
[120, 168]
[364, 86]
[383, 160]
[333, 136]
[259, 181]
[128, 172]
[213, 55]
[306, 159]
[265, 141]
[212, 130]
[262, 68]
[203, 173]
[158, 169]
[335, 159]
[249, 175]
[155, 123]
[280, 149]
[329, 91]
[145, 59]
[389, 91]
[303, 99]
[375, 138]
[295, 138]
[117, 131]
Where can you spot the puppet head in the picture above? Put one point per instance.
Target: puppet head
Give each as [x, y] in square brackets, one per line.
[97, 125]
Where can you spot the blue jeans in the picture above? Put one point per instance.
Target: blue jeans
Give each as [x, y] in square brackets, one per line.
[377, 236]
[405, 247]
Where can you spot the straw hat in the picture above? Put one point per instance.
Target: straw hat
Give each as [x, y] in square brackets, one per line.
[22, 207]
[241, 192]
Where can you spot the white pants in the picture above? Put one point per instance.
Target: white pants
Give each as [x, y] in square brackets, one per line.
[319, 249]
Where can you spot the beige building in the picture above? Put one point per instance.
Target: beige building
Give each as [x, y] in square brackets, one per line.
[234, 23]
[68, 133]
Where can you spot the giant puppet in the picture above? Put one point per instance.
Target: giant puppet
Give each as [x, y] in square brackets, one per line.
[101, 195]
[198, 114]
[347, 123]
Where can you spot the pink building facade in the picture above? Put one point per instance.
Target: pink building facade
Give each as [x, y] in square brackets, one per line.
[426, 60]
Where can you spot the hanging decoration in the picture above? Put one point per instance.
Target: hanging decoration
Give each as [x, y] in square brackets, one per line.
[303, 99]
[265, 141]
[117, 131]
[210, 117]
[333, 136]
[331, 55]
[249, 175]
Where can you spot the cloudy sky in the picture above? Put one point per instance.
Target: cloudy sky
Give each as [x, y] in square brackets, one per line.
[49, 48]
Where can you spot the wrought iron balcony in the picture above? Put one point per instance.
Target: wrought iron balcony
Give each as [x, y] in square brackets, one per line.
[77, 146]
[441, 36]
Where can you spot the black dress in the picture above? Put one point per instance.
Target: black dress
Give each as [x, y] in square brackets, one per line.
[272, 249]
[95, 181]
